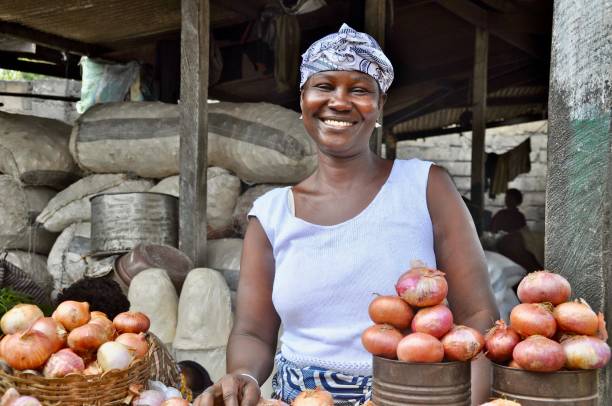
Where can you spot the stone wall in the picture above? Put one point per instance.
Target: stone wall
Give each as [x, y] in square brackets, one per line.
[454, 152]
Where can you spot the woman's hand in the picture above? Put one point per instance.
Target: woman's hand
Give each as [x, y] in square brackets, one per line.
[231, 390]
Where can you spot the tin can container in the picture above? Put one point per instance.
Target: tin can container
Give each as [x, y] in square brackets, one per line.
[561, 388]
[398, 383]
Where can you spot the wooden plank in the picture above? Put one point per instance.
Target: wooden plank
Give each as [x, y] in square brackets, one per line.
[241, 7]
[375, 25]
[195, 38]
[479, 95]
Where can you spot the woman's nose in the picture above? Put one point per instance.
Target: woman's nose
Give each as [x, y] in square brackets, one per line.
[340, 101]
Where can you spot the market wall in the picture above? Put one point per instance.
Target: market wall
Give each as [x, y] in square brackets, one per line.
[454, 152]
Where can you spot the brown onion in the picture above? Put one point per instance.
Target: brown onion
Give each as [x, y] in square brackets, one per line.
[72, 314]
[540, 354]
[422, 287]
[131, 322]
[462, 343]
[391, 310]
[175, 402]
[381, 340]
[87, 338]
[96, 314]
[583, 352]
[576, 317]
[136, 342]
[530, 319]
[544, 286]
[20, 318]
[435, 321]
[420, 347]
[54, 331]
[62, 363]
[107, 326]
[316, 397]
[27, 350]
[500, 342]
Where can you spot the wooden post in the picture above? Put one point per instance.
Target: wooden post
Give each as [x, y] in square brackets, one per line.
[375, 25]
[579, 183]
[195, 16]
[479, 110]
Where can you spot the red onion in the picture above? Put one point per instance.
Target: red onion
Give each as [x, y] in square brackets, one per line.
[514, 364]
[420, 347]
[544, 286]
[149, 398]
[602, 331]
[381, 340]
[540, 354]
[576, 317]
[62, 363]
[500, 342]
[530, 319]
[422, 287]
[583, 352]
[462, 343]
[136, 342]
[391, 310]
[131, 322]
[435, 321]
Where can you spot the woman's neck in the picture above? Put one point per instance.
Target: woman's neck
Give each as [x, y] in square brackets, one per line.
[344, 173]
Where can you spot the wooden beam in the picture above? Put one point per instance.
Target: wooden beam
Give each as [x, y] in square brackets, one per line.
[195, 37]
[375, 25]
[12, 61]
[49, 40]
[479, 124]
[246, 8]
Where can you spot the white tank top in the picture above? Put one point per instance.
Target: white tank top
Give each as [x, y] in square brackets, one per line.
[325, 276]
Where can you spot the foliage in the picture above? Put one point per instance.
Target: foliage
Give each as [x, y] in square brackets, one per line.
[6, 74]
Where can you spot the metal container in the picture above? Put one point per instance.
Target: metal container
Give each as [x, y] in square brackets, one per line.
[120, 221]
[561, 388]
[397, 383]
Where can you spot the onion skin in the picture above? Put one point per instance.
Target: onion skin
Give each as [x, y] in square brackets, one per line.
[462, 343]
[584, 352]
[316, 397]
[54, 331]
[131, 322]
[149, 398]
[62, 363]
[136, 342]
[95, 314]
[576, 317]
[107, 326]
[422, 287]
[436, 321]
[539, 354]
[87, 338]
[529, 319]
[420, 347]
[381, 340]
[544, 286]
[112, 355]
[72, 314]
[391, 310]
[92, 368]
[28, 350]
[20, 318]
[500, 342]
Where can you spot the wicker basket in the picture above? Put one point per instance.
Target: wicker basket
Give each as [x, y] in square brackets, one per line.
[109, 388]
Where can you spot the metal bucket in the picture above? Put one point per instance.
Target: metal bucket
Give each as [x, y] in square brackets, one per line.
[562, 388]
[397, 383]
[120, 221]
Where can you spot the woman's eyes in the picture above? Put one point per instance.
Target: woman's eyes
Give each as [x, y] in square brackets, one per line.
[355, 90]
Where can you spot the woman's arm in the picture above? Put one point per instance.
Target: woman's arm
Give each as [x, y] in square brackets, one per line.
[460, 255]
[252, 342]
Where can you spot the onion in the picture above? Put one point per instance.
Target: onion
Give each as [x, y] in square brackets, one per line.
[462, 343]
[514, 364]
[149, 398]
[28, 350]
[113, 355]
[420, 347]
[271, 402]
[107, 326]
[87, 338]
[131, 322]
[316, 397]
[422, 287]
[92, 369]
[576, 317]
[95, 314]
[54, 331]
[72, 314]
[20, 318]
[583, 352]
[500, 342]
[435, 321]
[602, 331]
[381, 340]
[175, 402]
[26, 401]
[540, 354]
[501, 402]
[544, 286]
[530, 319]
[135, 342]
[391, 310]
[62, 363]
[9, 397]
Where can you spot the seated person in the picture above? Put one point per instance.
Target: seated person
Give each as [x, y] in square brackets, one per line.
[509, 219]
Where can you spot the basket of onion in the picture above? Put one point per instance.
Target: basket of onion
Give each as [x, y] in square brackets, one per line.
[420, 355]
[74, 357]
[552, 348]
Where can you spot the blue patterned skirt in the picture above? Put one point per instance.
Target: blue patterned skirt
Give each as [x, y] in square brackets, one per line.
[347, 390]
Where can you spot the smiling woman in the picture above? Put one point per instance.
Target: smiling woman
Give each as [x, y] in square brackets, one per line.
[313, 253]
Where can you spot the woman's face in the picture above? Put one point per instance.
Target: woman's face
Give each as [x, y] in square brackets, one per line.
[340, 109]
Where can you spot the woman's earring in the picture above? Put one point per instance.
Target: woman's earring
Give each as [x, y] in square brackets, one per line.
[301, 117]
[377, 125]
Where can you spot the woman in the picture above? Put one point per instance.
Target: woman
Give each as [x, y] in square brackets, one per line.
[314, 253]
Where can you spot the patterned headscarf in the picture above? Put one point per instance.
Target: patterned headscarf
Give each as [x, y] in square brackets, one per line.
[347, 50]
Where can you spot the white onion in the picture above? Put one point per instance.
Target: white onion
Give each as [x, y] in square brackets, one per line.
[149, 398]
[113, 355]
[20, 318]
[26, 401]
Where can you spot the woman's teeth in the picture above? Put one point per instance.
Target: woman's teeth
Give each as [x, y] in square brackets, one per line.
[337, 123]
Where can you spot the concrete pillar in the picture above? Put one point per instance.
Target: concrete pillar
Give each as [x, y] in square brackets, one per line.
[579, 187]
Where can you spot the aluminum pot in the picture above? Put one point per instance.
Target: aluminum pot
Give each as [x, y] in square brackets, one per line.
[120, 221]
[398, 383]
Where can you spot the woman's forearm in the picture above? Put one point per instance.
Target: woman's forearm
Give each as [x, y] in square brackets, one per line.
[249, 354]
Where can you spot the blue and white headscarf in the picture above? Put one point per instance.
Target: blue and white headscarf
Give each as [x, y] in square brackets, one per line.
[347, 50]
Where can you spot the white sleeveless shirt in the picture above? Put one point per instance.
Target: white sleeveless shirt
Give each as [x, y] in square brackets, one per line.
[325, 276]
